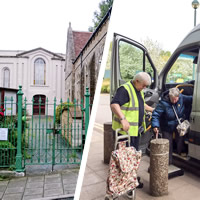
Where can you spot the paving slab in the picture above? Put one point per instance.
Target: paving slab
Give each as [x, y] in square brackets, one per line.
[14, 190]
[36, 179]
[34, 184]
[94, 182]
[53, 192]
[12, 197]
[45, 186]
[53, 186]
[14, 184]
[33, 191]
[29, 197]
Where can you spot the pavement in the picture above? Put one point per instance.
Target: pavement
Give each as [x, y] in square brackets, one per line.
[55, 185]
[94, 183]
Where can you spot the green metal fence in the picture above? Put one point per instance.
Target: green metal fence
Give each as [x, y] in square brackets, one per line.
[8, 134]
[55, 135]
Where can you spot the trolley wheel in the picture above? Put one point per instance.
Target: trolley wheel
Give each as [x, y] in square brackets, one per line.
[134, 194]
[107, 197]
[131, 195]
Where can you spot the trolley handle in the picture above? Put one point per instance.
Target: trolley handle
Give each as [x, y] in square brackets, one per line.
[119, 137]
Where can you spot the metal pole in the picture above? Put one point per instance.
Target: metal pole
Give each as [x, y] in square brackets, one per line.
[87, 107]
[193, 71]
[19, 132]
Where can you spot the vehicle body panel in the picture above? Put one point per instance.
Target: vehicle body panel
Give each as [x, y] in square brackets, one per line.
[188, 51]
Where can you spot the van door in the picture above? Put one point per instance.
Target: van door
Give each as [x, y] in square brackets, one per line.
[128, 58]
[194, 136]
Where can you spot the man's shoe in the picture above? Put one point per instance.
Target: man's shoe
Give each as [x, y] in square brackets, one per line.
[140, 183]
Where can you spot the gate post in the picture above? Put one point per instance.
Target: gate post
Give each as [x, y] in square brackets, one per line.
[19, 132]
[87, 110]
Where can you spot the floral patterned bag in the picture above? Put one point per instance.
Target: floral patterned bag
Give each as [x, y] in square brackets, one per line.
[122, 175]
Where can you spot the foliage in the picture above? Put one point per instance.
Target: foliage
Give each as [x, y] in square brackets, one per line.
[108, 62]
[104, 6]
[8, 148]
[130, 60]
[60, 108]
[157, 54]
[6, 145]
[4, 178]
[183, 67]
[73, 155]
[105, 86]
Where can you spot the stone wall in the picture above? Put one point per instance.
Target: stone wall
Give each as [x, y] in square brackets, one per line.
[84, 72]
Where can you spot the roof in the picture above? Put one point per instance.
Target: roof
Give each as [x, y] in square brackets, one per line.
[80, 40]
[42, 49]
[106, 17]
[19, 53]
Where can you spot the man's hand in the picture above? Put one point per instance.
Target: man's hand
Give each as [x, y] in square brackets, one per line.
[156, 131]
[125, 125]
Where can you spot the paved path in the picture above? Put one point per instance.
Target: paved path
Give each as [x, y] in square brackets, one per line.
[60, 185]
[94, 183]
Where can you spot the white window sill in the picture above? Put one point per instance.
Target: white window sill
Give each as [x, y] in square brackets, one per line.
[39, 86]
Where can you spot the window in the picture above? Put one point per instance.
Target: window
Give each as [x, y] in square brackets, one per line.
[6, 78]
[130, 60]
[182, 69]
[39, 105]
[39, 72]
[134, 59]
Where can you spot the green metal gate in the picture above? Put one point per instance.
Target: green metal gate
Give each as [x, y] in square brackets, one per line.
[55, 137]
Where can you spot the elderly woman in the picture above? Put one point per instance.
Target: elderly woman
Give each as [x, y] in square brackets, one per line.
[163, 117]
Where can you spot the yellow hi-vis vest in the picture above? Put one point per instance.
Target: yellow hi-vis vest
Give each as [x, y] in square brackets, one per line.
[130, 111]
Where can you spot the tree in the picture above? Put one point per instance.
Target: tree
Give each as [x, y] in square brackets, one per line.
[104, 6]
[131, 58]
[158, 55]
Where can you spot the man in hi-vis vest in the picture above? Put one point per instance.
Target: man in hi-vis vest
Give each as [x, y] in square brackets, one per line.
[128, 107]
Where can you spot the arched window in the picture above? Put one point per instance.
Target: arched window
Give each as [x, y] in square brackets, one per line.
[6, 78]
[39, 72]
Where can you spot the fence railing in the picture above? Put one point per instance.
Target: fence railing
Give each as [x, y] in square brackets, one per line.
[42, 138]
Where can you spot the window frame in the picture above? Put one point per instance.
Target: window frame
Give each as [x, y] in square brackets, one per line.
[35, 72]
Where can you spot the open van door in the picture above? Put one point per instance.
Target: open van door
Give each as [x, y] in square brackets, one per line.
[128, 58]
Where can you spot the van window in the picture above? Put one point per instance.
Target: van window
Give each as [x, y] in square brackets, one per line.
[132, 60]
[182, 70]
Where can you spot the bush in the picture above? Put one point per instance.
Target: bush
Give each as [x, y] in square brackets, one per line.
[64, 105]
[105, 86]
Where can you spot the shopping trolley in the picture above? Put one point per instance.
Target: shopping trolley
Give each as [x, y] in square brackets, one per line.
[124, 163]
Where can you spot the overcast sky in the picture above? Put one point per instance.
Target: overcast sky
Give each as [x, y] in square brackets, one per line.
[29, 24]
[164, 21]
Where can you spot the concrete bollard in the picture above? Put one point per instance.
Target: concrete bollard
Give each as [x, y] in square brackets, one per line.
[159, 159]
[109, 141]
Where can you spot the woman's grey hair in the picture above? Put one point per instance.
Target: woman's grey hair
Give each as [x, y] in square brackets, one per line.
[142, 77]
[175, 92]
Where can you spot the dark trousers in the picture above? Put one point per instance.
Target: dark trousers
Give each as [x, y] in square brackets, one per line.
[179, 143]
[169, 136]
[135, 142]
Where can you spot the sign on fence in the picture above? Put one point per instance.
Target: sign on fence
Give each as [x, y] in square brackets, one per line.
[4, 134]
